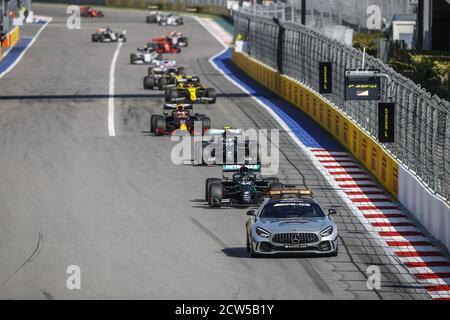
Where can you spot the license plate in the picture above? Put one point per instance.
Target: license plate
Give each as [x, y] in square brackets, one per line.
[296, 246]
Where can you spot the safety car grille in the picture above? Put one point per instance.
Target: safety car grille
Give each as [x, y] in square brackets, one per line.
[295, 238]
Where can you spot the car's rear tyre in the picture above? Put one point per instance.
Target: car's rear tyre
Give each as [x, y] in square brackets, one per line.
[160, 125]
[133, 58]
[272, 180]
[95, 37]
[276, 186]
[215, 195]
[123, 38]
[153, 123]
[208, 183]
[162, 83]
[171, 95]
[206, 123]
[211, 93]
[149, 82]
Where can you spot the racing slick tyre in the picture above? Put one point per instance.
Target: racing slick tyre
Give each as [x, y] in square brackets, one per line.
[150, 19]
[208, 184]
[335, 253]
[272, 180]
[133, 58]
[171, 95]
[215, 195]
[100, 14]
[206, 124]
[162, 83]
[160, 126]
[276, 186]
[253, 254]
[149, 82]
[95, 37]
[211, 93]
[153, 123]
[122, 38]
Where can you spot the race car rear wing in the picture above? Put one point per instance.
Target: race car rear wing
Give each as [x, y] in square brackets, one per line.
[286, 193]
[237, 167]
[173, 106]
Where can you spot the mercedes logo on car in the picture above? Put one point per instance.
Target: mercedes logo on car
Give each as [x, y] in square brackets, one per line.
[295, 238]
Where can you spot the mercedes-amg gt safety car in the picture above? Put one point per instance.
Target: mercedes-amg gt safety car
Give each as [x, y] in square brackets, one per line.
[291, 222]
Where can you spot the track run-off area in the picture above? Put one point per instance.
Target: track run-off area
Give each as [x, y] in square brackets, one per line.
[85, 183]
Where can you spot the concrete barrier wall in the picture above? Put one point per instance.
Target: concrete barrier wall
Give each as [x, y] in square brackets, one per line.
[431, 211]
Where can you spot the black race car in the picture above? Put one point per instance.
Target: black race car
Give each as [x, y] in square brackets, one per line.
[162, 77]
[245, 188]
[107, 35]
[178, 118]
[227, 145]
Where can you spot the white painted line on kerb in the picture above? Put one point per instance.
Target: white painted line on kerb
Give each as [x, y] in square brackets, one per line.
[25, 50]
[112, 70]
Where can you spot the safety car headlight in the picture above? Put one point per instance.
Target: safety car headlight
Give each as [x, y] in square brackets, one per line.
[327, 231]
[262, 232]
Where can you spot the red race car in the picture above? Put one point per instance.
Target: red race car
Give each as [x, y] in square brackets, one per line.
[89, 12]
[163, 45]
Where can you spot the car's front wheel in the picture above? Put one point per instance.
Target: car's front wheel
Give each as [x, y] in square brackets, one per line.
[253, 254]
[336, 252]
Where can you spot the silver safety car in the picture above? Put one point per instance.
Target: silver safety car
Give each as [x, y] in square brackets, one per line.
[291, 222]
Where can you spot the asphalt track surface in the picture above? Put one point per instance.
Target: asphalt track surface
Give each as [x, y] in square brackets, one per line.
[135, 223]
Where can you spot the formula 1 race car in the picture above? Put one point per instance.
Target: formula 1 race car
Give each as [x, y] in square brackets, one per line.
[162, 77]
[107, 35]
[145, 55]
[163, 45]
[190, 90]
[246, 187]
[178, 118]
[177, 39]
[226, 146]
[88, 12]
[170, 20]
[154, 17]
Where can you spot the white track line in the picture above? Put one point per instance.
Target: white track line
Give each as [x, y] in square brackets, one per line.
[26, 49]
[112, 80]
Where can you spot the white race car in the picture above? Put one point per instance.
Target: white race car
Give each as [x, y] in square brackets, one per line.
[107, 35]
[145, 56]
